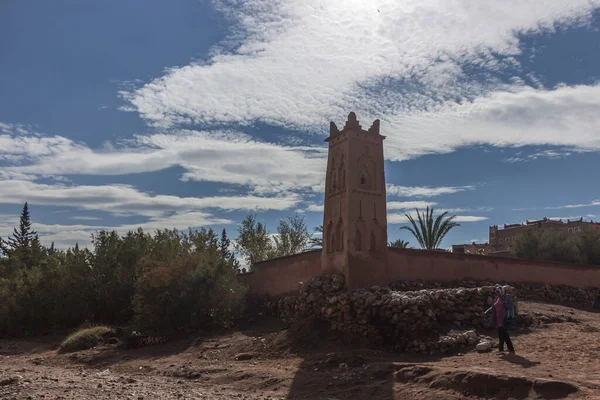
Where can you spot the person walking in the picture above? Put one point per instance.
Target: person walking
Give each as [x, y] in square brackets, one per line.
[502, 309]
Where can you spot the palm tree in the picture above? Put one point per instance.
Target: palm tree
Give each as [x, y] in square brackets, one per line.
[429, 232]
[317, 239]
[403, 244]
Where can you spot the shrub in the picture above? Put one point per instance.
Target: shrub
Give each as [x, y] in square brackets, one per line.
[579, 247]
[84, 339]
[196, 290]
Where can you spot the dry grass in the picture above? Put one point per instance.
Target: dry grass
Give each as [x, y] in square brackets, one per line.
[83, 339]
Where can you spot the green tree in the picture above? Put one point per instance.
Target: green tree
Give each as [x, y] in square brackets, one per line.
[550, 245]
[190, 290]
[227, 256]
[589, 245]
[403, 244]
[430, 231]
[22, 237]
[253, 241]
[292, 236]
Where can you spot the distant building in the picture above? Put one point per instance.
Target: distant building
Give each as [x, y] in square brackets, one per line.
[473, 248]
[502, 240]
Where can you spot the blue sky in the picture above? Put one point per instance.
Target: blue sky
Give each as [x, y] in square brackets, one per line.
[120, 114]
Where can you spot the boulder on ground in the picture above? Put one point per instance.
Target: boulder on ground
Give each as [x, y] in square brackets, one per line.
[483, 347]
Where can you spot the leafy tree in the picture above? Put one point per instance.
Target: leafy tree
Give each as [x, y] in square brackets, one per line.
[227, 256]
[253, 241]
[430, 231]
[403, 244]
[550, 245]
[589, 245]
[316, 239]
[191, 290]
[292, 236]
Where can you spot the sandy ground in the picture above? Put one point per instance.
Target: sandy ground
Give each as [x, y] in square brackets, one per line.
[556, 359]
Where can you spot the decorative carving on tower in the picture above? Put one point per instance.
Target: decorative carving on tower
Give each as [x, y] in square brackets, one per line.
[355, 216]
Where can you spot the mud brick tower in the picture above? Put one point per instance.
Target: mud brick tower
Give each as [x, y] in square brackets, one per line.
[355, 217]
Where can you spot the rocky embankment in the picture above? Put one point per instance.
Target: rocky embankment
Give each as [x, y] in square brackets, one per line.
[427, 321]
[560, 294]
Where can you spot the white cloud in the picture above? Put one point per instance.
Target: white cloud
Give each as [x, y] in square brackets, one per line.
[469, 218]
[404, 205]
[227, 157]
[312, 207]
[397, 218]
[302, 63]
[65, 236]
[565, 117]
[551, 154]
[590, 204]
[573, 218]
[423, 191]
[126, 200]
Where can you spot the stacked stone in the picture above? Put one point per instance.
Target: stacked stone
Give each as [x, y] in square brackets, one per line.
[443, 344]
[403, 316]
[530, 291]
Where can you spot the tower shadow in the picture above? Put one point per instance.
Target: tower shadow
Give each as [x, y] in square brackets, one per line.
[337, 366]
[358, 382]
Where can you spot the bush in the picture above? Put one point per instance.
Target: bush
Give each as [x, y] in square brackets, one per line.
[84, 339]
[164, 281]
[198, 289]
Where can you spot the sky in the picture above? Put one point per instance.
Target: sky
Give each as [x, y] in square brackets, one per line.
[156, 114]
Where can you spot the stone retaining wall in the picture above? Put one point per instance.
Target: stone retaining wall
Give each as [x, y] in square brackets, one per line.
[410, 320]
[528, 291]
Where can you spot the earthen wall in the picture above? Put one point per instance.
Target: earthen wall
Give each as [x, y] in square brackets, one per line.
[282, 276]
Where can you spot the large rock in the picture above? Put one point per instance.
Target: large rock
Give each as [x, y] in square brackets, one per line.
[483, 347]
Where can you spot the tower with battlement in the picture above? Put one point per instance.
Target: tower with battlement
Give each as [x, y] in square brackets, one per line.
[355, 217]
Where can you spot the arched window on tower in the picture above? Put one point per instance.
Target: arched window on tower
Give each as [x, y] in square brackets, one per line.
[332, 243]
[342, 175]
[339, 235]
[328, 235]
[358, 241]
[363, 180]
[333, 180]
[372, 243]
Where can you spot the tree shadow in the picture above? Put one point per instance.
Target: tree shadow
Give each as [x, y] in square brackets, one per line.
[336, 365]
[104, 356]
[342, 366]
[30, 346]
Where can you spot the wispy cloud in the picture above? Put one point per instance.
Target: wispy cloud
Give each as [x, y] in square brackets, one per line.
[573, 218]
[590, 204]
[405, 205]
[126, 200]
[226, 157]
[555, 154]
[397, 218]
[65, 236]
[293, 71]
[424, 191]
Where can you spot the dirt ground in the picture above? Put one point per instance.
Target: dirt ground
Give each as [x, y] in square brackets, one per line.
[557, 359]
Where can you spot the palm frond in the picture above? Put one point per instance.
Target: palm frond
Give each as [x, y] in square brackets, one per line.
[430, 231]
